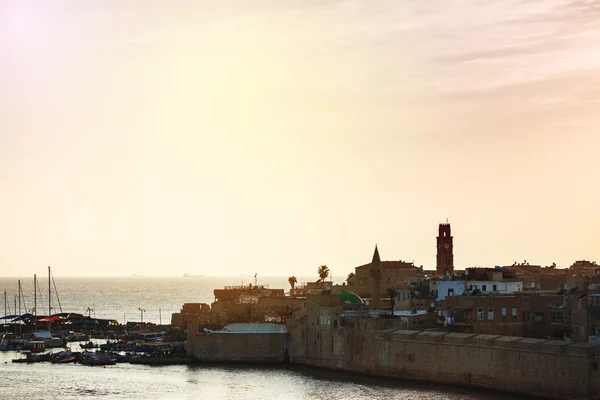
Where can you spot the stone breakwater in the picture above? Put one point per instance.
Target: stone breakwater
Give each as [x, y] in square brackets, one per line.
[534, 367]
[549, 369]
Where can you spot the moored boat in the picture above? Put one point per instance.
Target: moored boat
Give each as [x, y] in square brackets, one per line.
[28, 357]
[89, 345]
[98, 358]
[63, 357]
[35, 346]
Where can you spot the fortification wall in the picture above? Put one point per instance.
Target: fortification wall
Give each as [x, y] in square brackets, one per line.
[542, 368]
[239, 347]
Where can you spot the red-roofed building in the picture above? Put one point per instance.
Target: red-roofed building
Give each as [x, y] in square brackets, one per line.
[394, 275]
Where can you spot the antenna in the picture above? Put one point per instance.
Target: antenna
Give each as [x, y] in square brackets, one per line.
[255, 274]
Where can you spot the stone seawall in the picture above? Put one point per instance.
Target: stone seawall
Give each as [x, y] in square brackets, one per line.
[239, 347]
[535, 367]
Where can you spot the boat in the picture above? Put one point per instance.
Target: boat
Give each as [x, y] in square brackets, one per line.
[35, 346]
[28, 357]
[50, 342]
[77, 337]
[188, 275]
[10, 342]
[89, 345]
[63, 357]
[98, 359]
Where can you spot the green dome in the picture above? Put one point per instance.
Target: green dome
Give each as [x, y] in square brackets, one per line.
[350, 298]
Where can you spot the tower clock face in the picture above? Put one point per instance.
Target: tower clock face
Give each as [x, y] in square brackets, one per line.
[447, 246]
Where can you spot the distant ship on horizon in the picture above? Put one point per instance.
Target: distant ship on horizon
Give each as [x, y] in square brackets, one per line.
[188, 275]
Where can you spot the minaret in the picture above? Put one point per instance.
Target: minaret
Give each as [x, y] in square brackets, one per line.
[375, 273]
[445, 251]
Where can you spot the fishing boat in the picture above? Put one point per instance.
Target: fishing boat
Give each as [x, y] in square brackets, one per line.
[98, 358]
[28, 357]
[34, 346]
[63, 357]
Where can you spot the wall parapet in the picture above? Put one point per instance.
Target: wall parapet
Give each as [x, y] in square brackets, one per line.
[549, 369]
[506, 342]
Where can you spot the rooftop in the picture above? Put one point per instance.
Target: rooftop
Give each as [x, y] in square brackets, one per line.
[390, 265]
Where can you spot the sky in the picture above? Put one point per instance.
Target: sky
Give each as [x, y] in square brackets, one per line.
[273, 136]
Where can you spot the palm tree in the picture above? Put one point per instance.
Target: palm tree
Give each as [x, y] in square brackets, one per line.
[292, 281]
[323, 272]
[350, 276]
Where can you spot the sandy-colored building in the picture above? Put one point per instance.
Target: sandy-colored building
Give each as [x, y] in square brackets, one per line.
[527, 314]
[398, 275]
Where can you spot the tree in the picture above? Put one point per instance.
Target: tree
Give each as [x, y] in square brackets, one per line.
[350, 276]
[292, 281]
[323, 272]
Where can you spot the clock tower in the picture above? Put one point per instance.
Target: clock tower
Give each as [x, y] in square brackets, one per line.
[445, 253]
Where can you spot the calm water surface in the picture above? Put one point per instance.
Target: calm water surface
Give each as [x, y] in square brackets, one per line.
[125, 381]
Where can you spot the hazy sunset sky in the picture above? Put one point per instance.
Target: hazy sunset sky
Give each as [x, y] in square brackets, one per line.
[272, 136]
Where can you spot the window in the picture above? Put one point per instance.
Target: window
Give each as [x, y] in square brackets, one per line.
[483, 288]
[539, 317]
[388, 281]
[470, 287]
[503, 312]
[480, 314]
[514, 313]
[495, 287]
[450, 292]
[490, 314]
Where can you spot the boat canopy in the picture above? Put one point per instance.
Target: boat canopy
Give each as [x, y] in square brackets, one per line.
[42, 335]
[50, 319]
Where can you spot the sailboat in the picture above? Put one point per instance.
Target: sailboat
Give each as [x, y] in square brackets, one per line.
[46, 335]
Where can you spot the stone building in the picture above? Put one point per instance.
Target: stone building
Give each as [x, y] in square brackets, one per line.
[445, 251]
[394, 275]
[586, 317]
[192, 312]
[537, 315]
[536, 277]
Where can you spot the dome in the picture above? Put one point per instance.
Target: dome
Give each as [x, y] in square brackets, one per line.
[350, 298]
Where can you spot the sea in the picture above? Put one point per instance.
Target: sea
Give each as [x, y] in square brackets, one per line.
[122, 299]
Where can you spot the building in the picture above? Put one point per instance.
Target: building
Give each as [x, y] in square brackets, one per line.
[191, 312]
[445, 251]
[536, 277]
[310, 288]
[444, 289]
[387, 275]
[586, 317]
[528, 314]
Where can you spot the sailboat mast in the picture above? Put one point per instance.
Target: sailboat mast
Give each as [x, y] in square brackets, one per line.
[19, 294]
[5, 303]
[49, 295]
[20, 305]
[34, 295]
